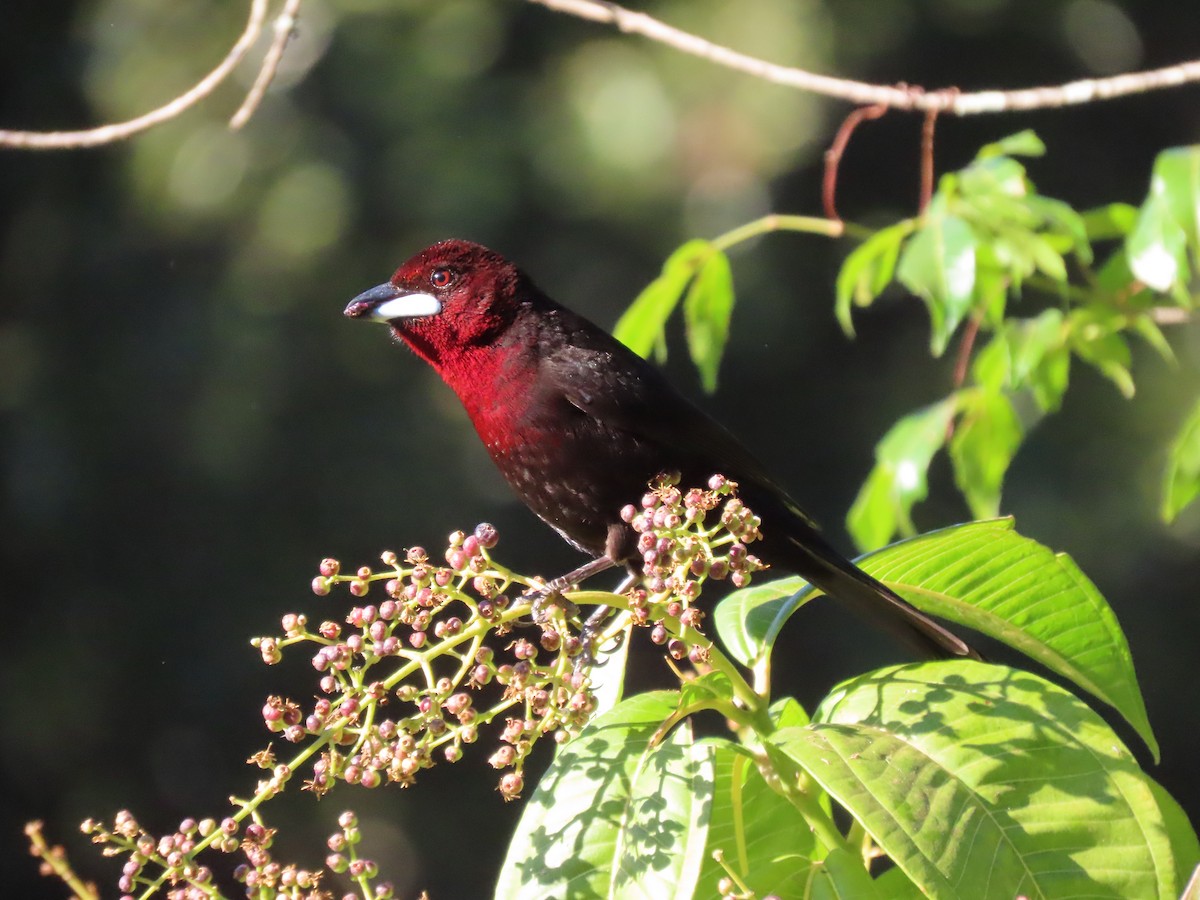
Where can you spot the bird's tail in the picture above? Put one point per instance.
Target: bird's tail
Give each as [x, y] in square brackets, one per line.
[810, 556]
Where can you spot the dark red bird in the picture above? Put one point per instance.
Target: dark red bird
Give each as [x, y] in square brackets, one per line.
[579, 424]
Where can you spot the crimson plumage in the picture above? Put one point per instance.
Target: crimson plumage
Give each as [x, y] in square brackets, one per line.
[578, 424]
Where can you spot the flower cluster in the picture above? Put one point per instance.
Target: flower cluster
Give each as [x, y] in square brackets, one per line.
[170, 861]
[423, 665]
[681, 547]
[410, 680]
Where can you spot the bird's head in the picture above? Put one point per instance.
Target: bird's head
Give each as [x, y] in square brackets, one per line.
[448, 297]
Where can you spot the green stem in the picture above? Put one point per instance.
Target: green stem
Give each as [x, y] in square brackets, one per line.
[777, 222]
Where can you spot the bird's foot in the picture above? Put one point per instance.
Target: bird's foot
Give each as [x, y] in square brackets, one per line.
[589, 636]
[546, 598]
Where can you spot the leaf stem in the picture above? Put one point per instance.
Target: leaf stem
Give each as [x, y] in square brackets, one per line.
[779, 222]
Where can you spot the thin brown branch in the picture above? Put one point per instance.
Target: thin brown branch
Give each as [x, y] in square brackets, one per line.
[928, 131]
[860, 93]
[119, 131]
[833, 156]
[965, 348]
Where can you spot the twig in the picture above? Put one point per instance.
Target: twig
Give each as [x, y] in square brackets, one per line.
[285, 27]
[833, 156]
[965, 347]
[860, 93]
[928, 130]
[118, 131]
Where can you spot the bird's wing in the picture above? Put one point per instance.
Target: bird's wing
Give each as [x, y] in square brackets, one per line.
[607, 381]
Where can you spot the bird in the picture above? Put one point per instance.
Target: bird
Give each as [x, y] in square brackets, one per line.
[578, 424]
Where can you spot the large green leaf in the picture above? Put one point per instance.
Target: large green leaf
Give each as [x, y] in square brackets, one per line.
[706, 313]
[1182, 482]
[747, 621]
[616, 816]
[984, 781]
[986, 576]
[840, 876]
[761, 835]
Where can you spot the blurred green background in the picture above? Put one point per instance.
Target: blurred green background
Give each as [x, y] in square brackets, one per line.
[188, 424]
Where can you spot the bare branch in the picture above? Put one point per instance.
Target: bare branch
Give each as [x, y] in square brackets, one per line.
[118, 131]
[285, 27]
[833, 156]
[857, 92]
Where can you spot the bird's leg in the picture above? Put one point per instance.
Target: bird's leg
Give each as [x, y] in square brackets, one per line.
[590, 632]
[552, 593]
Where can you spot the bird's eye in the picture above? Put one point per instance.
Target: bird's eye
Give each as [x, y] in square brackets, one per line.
[440, 278]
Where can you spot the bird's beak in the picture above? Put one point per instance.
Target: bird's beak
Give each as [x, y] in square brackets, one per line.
[387, 303]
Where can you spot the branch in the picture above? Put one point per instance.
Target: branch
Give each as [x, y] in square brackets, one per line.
[285, 27]
[946, 100]
[119, 131]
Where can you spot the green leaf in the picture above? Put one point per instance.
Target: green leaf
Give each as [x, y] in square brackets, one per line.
[992, 367]
[1182, 482]
[1023, 143]
[986, 576]
[1096, 339]
[868, 270]
[1063, 220]
[898, 480]
[748, 620]
[614, 815]
[1105, 223]
[1031, 340]
[1149, 331]
[707, 310]
[1176, 178]
[1027, 354]
[874, 517]
[841, 876]
[1156, 246]
[1184, 844]
[640, 328]
[985, 440]
[761, 834]
[984, 781]
[938, 265]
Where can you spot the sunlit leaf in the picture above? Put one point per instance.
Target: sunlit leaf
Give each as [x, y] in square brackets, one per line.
[984, 781]
[841, 876]
[707, 310]
[988, 577]
[1156, 245]
[760, 833]
[614, 811]
[1176, 178]
[748, 620]
[1182, 482]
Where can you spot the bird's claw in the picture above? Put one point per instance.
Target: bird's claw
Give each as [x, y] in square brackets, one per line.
[545, 599]
[589, 636]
